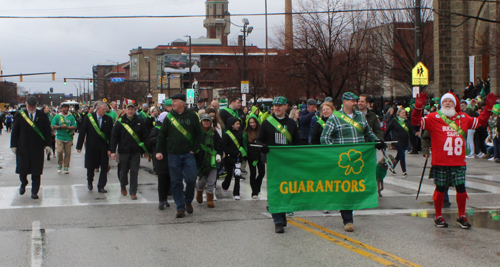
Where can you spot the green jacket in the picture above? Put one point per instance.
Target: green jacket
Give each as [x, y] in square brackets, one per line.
[176, 142]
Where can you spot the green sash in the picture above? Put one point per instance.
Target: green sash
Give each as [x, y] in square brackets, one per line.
[403, 125]
[158, 127]
[280, 128]
[212, 152]
[455, 127]
[62, 123]
[321, 122]
[30, 122]
[179, 127]
[232, 112]
[350, 121]
[235, 141]
[96, 128]
[134, 135]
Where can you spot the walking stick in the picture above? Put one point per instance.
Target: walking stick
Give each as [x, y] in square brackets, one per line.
[422, 178]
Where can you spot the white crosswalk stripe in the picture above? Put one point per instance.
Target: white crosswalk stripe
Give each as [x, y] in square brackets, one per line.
[78, 195]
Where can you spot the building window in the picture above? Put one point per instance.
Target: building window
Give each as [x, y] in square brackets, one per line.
[216, 61]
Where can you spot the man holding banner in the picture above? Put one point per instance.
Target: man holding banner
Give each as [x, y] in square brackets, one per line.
[278, 130]
[345, 127]
[447, 128]
[96, 127]
[128, 134]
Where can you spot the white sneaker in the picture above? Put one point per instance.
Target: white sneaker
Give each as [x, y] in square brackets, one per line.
[236, 197]
[492, 159]
[470, 156]
[480, 155]
[224, 192]
[215, 197]
[255, 197]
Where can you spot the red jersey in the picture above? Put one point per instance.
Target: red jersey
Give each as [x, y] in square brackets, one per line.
[448, 146]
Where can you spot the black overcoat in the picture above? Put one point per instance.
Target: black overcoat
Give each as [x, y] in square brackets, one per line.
[96, 148]
[30, 145]
[160, 166]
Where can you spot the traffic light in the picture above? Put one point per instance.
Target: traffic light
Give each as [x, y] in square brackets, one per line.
[60, 97]
[21, 78]
[90, 81]
[164, 79]
[159, 80]
[64, 80]
[51, 89]
[53, 76]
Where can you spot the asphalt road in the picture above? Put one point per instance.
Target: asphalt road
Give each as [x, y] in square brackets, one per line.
[82, 228]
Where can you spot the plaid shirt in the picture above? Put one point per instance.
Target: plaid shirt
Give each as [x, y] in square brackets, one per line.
[338, 131]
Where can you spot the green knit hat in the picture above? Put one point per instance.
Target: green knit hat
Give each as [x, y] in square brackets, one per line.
[168, 102]
[496, 109]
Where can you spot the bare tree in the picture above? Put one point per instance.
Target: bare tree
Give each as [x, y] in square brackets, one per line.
[327, 50]
[393, 41]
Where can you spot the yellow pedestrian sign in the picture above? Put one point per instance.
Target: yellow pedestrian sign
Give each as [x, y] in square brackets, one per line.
[419, 75]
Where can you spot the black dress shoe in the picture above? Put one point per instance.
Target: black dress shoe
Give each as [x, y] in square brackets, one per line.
[22, 190]
[90, 187]
[101, 190]
[34, 196]
[278, 228]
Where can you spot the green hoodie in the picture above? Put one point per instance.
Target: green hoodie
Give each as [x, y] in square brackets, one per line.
[177, 143]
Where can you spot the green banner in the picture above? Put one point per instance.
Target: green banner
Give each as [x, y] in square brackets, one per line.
[327, 177]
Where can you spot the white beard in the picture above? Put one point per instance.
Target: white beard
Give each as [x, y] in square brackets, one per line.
[448, 112]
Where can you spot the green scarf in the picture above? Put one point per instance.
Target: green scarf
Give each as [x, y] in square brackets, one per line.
[208, 148]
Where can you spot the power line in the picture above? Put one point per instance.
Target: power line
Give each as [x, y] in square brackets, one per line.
[250, 14]
[204, 15]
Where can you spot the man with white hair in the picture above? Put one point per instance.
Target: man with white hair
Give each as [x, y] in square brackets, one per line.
[447, 128]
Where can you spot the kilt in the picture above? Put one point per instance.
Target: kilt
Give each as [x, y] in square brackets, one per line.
[448, 175]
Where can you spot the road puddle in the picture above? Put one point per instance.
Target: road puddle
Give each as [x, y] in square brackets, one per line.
[481, 218]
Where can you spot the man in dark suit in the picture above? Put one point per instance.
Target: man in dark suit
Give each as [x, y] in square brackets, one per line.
[97, 128]
[30, 135]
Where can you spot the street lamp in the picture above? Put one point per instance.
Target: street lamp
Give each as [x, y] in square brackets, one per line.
[190, 67]
[246, 31]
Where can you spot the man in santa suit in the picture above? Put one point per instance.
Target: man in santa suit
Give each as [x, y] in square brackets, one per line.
[448, 130]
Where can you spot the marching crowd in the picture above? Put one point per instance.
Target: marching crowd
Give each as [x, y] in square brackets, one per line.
[191, 148]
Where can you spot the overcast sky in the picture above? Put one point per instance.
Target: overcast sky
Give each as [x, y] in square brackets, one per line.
[71, 47]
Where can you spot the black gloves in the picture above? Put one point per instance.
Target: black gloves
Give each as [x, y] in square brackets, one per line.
[264, 149]
[380, 145]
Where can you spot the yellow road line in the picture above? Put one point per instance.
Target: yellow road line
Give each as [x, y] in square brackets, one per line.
[357, 250]
[338, 242]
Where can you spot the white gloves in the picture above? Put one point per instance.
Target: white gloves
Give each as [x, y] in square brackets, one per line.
[14, 150]
[48, 149]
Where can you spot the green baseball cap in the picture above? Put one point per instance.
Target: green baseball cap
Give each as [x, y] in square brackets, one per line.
[349, 96]
[496, 109]
[206, 117]
[168, 102]
[280, 100]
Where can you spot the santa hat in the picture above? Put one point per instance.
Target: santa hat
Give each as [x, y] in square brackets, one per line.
[453, 98]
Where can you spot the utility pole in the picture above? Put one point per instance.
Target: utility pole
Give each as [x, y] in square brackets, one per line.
[418, 32]
[418, 35]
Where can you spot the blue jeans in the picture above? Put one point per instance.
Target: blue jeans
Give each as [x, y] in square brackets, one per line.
[182, 167]
[401, 157]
